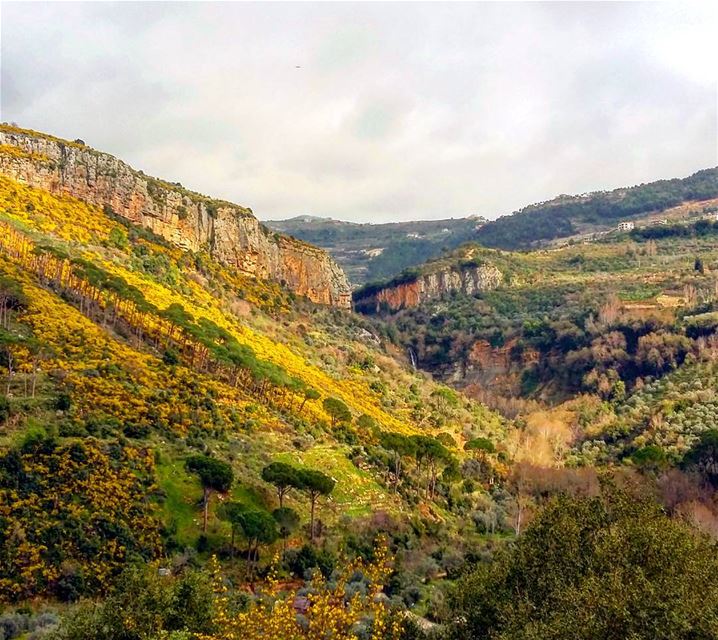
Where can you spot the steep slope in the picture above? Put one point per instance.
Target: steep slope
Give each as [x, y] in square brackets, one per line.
[123, 355]
[599, 318]
[229, 232]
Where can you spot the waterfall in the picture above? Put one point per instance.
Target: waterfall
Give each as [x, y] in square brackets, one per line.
[412, 357]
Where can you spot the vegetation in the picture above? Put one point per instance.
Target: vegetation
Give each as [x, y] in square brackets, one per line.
[170, 382]
[215, 475]
[601, 567]
[187, 453]
[563, 216]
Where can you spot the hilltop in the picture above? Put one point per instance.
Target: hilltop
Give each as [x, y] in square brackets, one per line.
[566, 216]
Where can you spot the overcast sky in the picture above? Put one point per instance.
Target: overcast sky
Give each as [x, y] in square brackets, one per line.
[373, 112]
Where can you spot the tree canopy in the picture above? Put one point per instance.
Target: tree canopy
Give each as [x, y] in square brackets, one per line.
[613, 566]
[283, 476]
[213, 474]
[337, 410]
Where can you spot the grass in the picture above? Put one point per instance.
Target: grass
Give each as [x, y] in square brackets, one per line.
[180, 508]
[356, 492]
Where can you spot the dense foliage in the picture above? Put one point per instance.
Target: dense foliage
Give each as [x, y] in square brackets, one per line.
[72, 515]
[188, 452]
[597, 568]
[161, 385]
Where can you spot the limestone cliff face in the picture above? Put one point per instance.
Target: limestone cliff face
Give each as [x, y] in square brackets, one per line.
[228, 231]
[469, 280]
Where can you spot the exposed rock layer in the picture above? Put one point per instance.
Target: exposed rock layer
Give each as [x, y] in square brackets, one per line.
[392, 297]
[227, 231]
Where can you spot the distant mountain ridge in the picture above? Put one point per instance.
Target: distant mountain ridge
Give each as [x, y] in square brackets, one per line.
[375, 252]
[565, 216]
[370, 252]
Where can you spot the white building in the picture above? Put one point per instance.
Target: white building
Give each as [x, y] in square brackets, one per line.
[625, 226]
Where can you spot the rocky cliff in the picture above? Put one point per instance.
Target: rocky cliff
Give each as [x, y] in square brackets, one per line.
[412, 290]
[228, 231]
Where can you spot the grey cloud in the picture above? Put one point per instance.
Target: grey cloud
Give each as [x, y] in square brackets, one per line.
[397, 111]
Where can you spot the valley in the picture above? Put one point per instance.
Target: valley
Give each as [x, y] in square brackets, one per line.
[204, 432]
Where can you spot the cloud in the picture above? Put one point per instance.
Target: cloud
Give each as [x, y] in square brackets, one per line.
[372, 111]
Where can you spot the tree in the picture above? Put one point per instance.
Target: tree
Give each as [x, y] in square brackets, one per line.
[367, 424]
[215, 475]
[143, 604]
[481, 445]
[316, 484]
[12, 298]
[287, 520]
[598, 568]
[698, 265]
[433, 452]
[231, 511]
[4, 409]
[651, 457]
[446, 439]
[257, 527]
[402, 446]
[309, 394]
[337, 410]
[283, 476]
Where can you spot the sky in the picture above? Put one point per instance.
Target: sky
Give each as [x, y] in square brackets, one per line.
[373, 112]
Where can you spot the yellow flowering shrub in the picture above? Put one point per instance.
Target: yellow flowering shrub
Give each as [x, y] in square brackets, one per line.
[72, 515]
[327, 613]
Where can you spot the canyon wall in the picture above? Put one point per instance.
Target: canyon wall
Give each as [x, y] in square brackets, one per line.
[229, 232]
[402, 294]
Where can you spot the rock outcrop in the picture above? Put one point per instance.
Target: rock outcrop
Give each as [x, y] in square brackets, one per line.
[229, 232]
[412, 291]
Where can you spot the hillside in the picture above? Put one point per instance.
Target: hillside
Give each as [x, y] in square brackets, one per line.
[539, 329]
[125, 355]
[228, 232]
[371, 253]
[191, 451]
[566, 216]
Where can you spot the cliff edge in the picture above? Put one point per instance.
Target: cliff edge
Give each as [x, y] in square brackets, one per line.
[229, 232]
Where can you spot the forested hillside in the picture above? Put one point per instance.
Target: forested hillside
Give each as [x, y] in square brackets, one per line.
[568, 215]
[606, 330]
[158, 406]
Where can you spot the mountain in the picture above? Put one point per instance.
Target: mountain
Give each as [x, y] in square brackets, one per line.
[375, 252]
[229, 232]
[369, 252]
